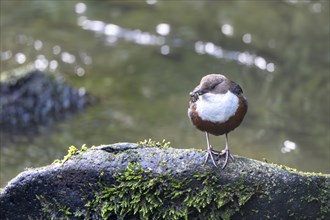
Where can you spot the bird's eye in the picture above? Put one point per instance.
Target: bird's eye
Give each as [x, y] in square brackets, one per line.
[213, 86]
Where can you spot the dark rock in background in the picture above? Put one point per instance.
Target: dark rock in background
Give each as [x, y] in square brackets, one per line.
[154, 181]
[38, 99]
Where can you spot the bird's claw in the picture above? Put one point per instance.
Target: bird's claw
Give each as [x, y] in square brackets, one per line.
[225, 152]
[210, 153]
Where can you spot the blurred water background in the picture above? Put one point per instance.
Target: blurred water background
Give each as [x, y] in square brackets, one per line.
[142, 58]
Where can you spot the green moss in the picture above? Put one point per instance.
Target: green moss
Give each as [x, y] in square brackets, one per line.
[153, 143]
[163, 163]
[71, 152]
[141, 193]
[53, 208]
[321, 199]
[324, 199]
[295, 171]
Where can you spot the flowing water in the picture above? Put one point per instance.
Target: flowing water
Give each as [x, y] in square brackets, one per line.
[141, 60]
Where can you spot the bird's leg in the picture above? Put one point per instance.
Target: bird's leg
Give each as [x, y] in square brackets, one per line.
[227, 153]
[209, 150]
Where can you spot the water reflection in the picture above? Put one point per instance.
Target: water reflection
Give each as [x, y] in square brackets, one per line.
[151, 2]
[43, 60]
[165, 50]
[227, 29]
[163, 29]
[41, 63]
[68, 58]
[56, 50]
[288, 146]
[244, 58]
[115, 32]
[316, 7]
[6, 55]
[38, 45]
[80, 8]
[53, 64]
[20, 58]
[247, 38]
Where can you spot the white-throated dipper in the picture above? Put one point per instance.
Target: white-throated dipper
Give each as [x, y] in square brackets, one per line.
[217, 106]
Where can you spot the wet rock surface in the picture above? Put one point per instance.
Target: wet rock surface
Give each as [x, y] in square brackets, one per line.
[38, 99]
[143, 181]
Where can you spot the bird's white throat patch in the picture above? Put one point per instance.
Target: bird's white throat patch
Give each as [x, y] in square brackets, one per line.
[217, 107]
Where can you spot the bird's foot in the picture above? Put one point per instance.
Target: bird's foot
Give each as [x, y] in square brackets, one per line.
[216, 152]
[224, 152]
[227, 154]
[210, 153]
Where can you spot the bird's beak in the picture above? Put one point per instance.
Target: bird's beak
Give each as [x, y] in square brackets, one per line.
[196, 93]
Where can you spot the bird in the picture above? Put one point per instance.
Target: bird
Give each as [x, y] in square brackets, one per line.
[217, 106]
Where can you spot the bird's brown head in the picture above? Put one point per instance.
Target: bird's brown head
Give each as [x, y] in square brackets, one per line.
[213, 83]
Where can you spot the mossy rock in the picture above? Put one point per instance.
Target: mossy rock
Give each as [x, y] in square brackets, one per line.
[151, 180]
